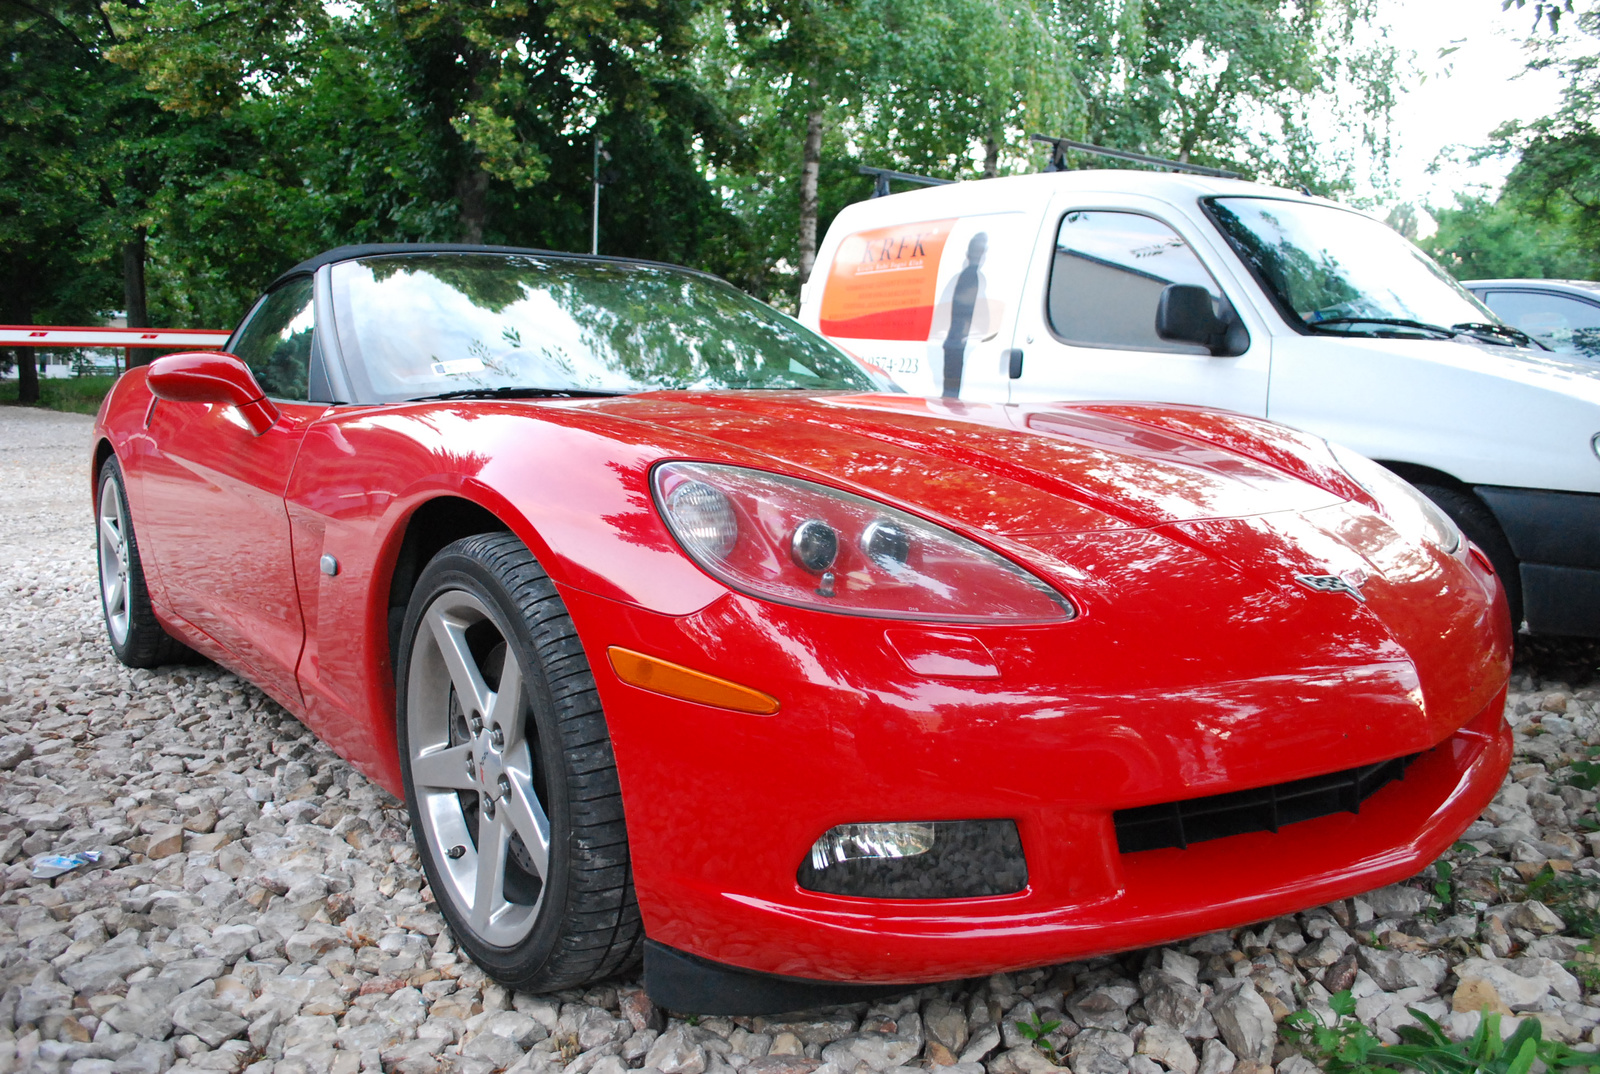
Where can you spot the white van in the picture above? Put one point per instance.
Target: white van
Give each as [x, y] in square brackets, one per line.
[1121, 284]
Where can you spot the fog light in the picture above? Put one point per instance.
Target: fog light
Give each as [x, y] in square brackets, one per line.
[947, 859]
[852, 842]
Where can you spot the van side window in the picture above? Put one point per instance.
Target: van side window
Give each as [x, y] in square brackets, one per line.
[1107, 277]
[276, 341]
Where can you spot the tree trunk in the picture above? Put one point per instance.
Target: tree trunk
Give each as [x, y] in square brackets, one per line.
[471, 191]
[810, 167]
[133, 292]
[991, 157]
[27, 376]
[16, 307]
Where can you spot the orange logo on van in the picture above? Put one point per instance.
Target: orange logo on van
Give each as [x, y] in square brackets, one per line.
[882, 283]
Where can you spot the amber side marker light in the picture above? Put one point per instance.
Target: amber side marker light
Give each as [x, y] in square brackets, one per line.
[675, 680]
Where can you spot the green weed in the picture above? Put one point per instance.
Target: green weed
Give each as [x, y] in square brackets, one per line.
[1348, 1047]
[1584, 775]
[1038, 1032]
[1573, 896]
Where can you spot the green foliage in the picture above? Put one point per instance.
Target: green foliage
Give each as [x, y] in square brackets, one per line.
[75, 395]
[1484, 240]
[1348, 1047]
[1039, 1032]
[1552, 194]
[1574, 896]
[229, 140]
[1444, 888]
[1584, 774]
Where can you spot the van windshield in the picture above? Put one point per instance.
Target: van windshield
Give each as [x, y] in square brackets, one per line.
[1335, 269]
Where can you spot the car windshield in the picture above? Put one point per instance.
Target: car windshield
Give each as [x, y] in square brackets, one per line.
[421, 325]
[1326, 264]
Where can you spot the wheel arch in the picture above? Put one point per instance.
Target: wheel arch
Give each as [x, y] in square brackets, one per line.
[430, 526]
[1418, 474]
[102, 451]
[1479, 515]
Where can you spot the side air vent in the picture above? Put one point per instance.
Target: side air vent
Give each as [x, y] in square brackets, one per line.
[1262, 809]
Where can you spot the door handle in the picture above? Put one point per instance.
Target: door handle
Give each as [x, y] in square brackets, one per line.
[1014, 362]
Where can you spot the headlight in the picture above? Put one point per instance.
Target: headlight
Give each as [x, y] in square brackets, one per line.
[1411, 512]
[795, 542]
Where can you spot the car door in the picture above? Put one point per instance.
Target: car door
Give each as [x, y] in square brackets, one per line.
[214, 517]
[1087, 325]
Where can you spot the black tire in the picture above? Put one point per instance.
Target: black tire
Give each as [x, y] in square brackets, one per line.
[579, 922]
[1481, 528]
[137, 638]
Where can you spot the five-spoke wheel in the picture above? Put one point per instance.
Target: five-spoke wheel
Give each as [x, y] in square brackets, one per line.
[472, 767]
[521, 835]
[113, 551]
[137, 637]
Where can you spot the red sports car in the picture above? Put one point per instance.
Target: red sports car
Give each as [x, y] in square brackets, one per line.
[682, 641]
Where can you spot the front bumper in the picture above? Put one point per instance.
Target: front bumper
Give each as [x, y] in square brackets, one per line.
[1556, 538]
[1086, 718]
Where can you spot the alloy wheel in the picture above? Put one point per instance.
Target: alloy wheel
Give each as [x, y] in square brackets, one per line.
[472, 766]
[113, 557]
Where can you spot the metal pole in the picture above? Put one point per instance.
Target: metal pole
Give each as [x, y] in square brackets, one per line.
[594, 226]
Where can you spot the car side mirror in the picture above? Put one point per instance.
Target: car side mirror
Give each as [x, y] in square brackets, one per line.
[1185, 314]
[212, 377]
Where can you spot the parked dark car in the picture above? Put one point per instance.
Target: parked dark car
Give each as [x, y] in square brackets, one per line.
[1564, 315]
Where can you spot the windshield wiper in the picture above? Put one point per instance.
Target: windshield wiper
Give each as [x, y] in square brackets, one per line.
[1498, 332]
[518, 393]
[1392, 322]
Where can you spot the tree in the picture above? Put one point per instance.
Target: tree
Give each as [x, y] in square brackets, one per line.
[1481, 239]
[1556, 179]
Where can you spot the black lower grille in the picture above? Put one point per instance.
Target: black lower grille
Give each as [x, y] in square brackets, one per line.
[1262, 809]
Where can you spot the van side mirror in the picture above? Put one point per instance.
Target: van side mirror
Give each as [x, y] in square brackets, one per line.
[1185, 314]
[212, 377]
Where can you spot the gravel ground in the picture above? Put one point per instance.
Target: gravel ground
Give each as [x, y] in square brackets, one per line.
[258, 905]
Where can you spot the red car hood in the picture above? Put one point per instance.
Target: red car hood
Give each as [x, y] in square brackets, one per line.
[1153, 533]
[1002, 469]
[1005, 470]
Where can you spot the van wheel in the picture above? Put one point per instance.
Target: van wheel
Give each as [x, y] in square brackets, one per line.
[1478, 523]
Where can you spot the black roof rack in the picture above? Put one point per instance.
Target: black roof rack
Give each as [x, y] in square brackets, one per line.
[1058, 158]
[883, 175]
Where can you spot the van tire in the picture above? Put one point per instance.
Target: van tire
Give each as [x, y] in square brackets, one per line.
[1481, 528]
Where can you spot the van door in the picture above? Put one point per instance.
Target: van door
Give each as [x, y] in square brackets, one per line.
[930, 303]
[1087, 323]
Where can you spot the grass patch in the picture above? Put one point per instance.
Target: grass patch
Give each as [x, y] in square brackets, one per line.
[75, 395]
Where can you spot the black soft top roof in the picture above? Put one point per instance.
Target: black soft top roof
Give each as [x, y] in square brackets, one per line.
[351, 253]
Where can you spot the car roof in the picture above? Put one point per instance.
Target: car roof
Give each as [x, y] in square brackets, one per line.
[376, 249]
[1589, 289]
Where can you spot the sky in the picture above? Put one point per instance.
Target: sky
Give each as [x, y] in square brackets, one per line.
[1457, 100]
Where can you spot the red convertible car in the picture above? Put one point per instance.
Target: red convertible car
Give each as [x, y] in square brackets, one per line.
[684, 643]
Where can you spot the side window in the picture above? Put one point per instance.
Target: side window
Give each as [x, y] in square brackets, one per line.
[1107, 277]
[276, 340]
[1563, 324]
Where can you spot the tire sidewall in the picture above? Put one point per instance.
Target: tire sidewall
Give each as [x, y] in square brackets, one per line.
[454, 570]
